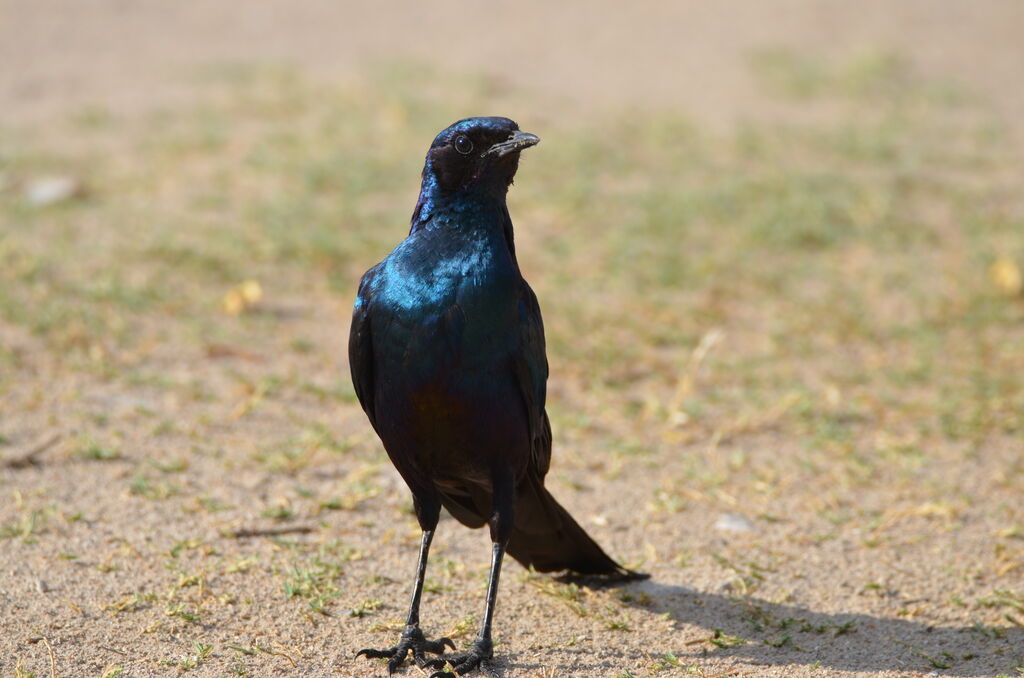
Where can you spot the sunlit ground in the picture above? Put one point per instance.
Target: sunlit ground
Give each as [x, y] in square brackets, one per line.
[787, 371]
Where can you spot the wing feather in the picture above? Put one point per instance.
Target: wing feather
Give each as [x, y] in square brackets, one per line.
[360, 346]
[531, 366]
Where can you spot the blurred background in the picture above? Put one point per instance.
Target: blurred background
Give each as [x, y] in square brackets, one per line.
[684, 56]
[779, 251]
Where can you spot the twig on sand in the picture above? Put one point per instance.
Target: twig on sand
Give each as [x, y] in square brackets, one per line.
[269, 531]
[53, 659]
[275, 653]
[28, 458]
[113, 649]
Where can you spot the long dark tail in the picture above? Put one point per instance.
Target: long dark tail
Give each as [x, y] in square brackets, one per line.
[548, 539]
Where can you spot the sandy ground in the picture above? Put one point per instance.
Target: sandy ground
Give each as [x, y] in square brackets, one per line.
[105, 590]
[687, 55]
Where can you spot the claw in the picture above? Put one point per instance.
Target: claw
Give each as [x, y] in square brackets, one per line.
[377, 654]
[412, 640]
[477, 657]
[395, 663]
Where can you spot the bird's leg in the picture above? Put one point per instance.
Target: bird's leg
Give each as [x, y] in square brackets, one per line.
[412, 638]
[481, 652]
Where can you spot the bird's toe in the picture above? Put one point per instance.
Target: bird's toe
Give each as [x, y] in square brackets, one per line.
[439, 663]
[412, 641]
[395, 662]
[438, 646]
[370, 653]
[479, 656]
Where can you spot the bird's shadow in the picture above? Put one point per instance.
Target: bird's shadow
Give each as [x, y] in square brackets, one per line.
[756, 631]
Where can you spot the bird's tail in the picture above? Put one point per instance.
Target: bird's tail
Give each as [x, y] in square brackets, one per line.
[547, 538]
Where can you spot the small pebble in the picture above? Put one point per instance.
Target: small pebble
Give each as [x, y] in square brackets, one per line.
[51, 190]
[730, 522]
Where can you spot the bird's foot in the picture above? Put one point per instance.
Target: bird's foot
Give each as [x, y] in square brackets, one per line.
[414, 641]
[480, 656]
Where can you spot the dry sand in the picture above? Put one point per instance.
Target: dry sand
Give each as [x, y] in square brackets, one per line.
[95, 584]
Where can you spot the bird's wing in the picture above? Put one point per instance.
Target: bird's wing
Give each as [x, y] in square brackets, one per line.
[360, 346]
[531, 365]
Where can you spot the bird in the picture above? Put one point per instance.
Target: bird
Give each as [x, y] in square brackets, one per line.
[448, 362]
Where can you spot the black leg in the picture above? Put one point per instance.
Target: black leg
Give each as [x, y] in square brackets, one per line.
[481, 652]
[412, 638]
[421, 571]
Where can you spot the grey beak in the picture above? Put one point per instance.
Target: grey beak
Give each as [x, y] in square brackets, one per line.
[517, 142]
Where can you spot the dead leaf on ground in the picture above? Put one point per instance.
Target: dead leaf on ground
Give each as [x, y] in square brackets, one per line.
[1006, 276]
[242, 297]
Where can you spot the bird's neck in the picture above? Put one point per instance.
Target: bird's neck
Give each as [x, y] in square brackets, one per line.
[483, 210]
[478, 206]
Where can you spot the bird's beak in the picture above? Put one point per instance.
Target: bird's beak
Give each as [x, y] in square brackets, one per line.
[517, 142]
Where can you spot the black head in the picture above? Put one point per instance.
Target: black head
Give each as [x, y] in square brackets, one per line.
[477, 153]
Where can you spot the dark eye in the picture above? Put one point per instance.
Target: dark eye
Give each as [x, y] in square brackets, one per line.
[463, 144]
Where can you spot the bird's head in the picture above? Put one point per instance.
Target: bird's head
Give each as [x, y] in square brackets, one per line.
[476, 154]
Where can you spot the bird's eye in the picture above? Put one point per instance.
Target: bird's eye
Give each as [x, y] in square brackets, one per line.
[463, 144]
